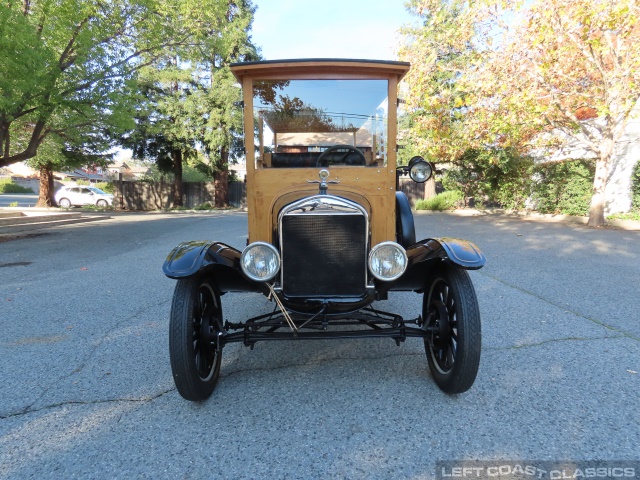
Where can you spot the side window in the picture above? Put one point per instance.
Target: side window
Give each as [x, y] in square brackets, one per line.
[86, 191]
[74, 190]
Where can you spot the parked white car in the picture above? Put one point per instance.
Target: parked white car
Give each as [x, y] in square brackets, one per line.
[70, 196]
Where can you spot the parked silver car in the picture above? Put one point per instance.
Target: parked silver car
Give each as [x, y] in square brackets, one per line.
[70, 196]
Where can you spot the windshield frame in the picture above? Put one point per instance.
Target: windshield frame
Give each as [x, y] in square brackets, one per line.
[318, 69]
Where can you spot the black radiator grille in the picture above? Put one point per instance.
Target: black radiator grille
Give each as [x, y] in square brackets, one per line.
[324, 255]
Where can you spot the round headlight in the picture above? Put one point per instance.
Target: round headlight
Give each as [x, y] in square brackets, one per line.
[419, 170]
[387, 261]
[260, 261]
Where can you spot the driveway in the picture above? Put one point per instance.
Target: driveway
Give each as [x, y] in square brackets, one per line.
[87, 392]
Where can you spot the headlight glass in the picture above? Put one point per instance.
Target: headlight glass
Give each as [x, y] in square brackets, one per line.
[260, 261]
[387, 261]
[419, 170]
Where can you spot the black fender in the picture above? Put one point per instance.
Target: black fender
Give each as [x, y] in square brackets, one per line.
[211, 258]
[425, 255]
[405, 226]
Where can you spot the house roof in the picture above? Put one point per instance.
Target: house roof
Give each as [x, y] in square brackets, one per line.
[79, 174]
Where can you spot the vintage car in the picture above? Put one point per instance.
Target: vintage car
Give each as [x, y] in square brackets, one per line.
[329, 231]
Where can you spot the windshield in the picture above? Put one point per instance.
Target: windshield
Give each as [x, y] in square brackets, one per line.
[97, 191]
[309, 123]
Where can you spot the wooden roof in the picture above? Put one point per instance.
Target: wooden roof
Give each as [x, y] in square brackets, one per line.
[319, 68]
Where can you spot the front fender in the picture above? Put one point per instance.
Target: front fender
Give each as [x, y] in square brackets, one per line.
[424, 255]
[213, 258]
[461, 252]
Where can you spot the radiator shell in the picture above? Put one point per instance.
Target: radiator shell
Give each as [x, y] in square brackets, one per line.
[323, 246]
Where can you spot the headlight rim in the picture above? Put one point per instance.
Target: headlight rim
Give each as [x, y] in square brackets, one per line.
[417, 160]
[404, 255]
[270, 247]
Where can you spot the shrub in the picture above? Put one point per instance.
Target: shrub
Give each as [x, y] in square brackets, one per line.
[7, 186]
[635, 187]
[493, 176]
[106, 187]
[564, 187]
[442, 201]
[204, 206]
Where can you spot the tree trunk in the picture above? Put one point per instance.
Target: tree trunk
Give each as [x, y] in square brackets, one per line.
[430, 187]
[176, 156]
[597, 206]
[45, 198]
[221, 181]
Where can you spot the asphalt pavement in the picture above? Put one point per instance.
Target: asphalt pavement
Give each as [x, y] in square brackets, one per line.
[87, 392]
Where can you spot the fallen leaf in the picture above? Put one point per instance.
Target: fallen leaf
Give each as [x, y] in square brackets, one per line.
[84, 268]
[632, 371]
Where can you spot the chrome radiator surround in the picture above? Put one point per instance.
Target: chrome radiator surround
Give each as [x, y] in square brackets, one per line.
[323, 238]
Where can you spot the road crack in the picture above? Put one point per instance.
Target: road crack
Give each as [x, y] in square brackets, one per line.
[564, 308]
[83, 363]
[29, 410]
[553, 340]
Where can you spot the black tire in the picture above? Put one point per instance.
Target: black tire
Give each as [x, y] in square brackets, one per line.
[453, 350]
[64, 203]
[102, 203]
[194, 338]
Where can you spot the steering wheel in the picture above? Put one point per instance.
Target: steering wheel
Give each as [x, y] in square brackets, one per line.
[324, 159]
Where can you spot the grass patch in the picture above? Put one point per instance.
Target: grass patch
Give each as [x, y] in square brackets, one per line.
[95, 208]
[632, 215]
[442, 201]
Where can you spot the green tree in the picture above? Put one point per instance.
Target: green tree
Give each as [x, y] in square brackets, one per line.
[187, 104]
[59, 57]
[64, 67]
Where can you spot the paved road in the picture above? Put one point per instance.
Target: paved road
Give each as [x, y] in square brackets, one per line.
[86, 388]
[22, 199]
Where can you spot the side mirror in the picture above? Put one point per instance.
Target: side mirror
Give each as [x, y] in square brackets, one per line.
[419, 169]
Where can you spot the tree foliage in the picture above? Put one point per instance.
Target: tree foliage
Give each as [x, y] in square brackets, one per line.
[444, 50]
[513, 74]
[567, 61]
[186, 105]
[64, 62]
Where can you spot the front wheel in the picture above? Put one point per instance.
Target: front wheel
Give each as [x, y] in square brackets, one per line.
[64, 203]
[195, 330]
[452, 318]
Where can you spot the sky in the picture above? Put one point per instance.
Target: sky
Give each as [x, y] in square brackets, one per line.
[365, 29]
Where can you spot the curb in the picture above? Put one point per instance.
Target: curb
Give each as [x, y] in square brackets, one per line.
[631, 225]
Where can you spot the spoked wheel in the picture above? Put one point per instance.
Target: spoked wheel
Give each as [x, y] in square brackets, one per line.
[451, 315]
[195, 329]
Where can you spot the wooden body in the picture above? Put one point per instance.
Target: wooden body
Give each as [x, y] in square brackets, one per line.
[268, 189]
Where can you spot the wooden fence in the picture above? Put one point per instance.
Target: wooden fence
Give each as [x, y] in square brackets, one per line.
[131, 195]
